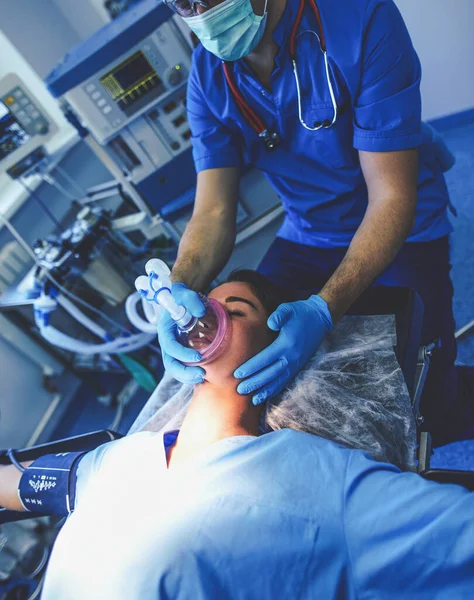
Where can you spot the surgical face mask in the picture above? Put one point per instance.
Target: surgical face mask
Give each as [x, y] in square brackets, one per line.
[231, 30]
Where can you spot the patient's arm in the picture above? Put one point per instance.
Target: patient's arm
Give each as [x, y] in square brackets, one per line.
[9, 481]
[407, 537]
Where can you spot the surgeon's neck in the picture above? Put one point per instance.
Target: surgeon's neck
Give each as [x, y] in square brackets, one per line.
[262, 59]
[216, 411]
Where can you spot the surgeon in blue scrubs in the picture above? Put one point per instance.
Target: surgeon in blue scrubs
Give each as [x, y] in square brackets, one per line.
[324, 98]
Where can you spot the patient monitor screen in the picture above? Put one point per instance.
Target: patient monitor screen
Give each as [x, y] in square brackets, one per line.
[131, 80]
[12, 134]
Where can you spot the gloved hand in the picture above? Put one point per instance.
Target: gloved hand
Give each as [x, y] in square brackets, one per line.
[302, 326]
[172, 350]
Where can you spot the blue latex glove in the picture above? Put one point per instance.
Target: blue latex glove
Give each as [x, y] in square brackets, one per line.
[302, 326]
[171, 349]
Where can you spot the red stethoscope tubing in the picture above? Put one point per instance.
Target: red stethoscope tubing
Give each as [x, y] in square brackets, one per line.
[250, 115]
[297, 24]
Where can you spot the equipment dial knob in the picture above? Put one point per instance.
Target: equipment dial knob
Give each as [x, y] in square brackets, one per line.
[174, 76]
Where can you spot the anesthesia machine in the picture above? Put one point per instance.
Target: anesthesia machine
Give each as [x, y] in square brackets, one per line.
[125, 90]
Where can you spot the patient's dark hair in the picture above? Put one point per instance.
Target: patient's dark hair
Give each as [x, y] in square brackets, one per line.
[262, 287]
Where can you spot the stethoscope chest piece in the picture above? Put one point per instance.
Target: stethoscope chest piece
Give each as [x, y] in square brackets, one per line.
[271, 139]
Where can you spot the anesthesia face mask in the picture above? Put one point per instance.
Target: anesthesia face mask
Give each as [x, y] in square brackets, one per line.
[209, 335]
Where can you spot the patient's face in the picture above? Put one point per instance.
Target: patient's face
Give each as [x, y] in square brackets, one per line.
[250, 333]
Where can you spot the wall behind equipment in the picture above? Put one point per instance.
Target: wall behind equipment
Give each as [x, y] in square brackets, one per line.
[39, 31]
[442, 35]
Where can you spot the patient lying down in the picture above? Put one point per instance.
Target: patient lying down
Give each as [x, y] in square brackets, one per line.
[352, 391]
[219, 510]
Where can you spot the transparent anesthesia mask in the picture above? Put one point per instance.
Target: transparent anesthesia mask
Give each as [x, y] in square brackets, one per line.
[209, 335]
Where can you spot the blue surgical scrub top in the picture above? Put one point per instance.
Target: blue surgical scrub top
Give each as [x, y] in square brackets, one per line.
[317, 174]
[286, 515]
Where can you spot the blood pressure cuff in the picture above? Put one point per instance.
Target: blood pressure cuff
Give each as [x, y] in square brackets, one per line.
[77, 445]
[48, 486]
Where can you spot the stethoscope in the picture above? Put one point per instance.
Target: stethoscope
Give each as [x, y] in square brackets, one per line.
[270, 138]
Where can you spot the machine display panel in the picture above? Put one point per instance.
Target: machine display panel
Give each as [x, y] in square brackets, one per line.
[12, 134]
[131, 80]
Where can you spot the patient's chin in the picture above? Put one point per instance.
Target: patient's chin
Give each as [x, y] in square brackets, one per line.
[220, 372]
[220, 377]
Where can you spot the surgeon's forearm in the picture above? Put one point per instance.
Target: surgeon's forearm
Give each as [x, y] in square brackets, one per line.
[9, 481]
[373, 248]
[386, 225]
[209, 238]
[204, 250]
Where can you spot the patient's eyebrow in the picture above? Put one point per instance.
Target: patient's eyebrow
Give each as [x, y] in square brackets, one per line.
[238, 299]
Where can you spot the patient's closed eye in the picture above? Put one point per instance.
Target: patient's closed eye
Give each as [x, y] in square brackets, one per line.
[239, 299]
[236, 313]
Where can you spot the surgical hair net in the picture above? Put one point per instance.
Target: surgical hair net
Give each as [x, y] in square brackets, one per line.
[351, 392]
